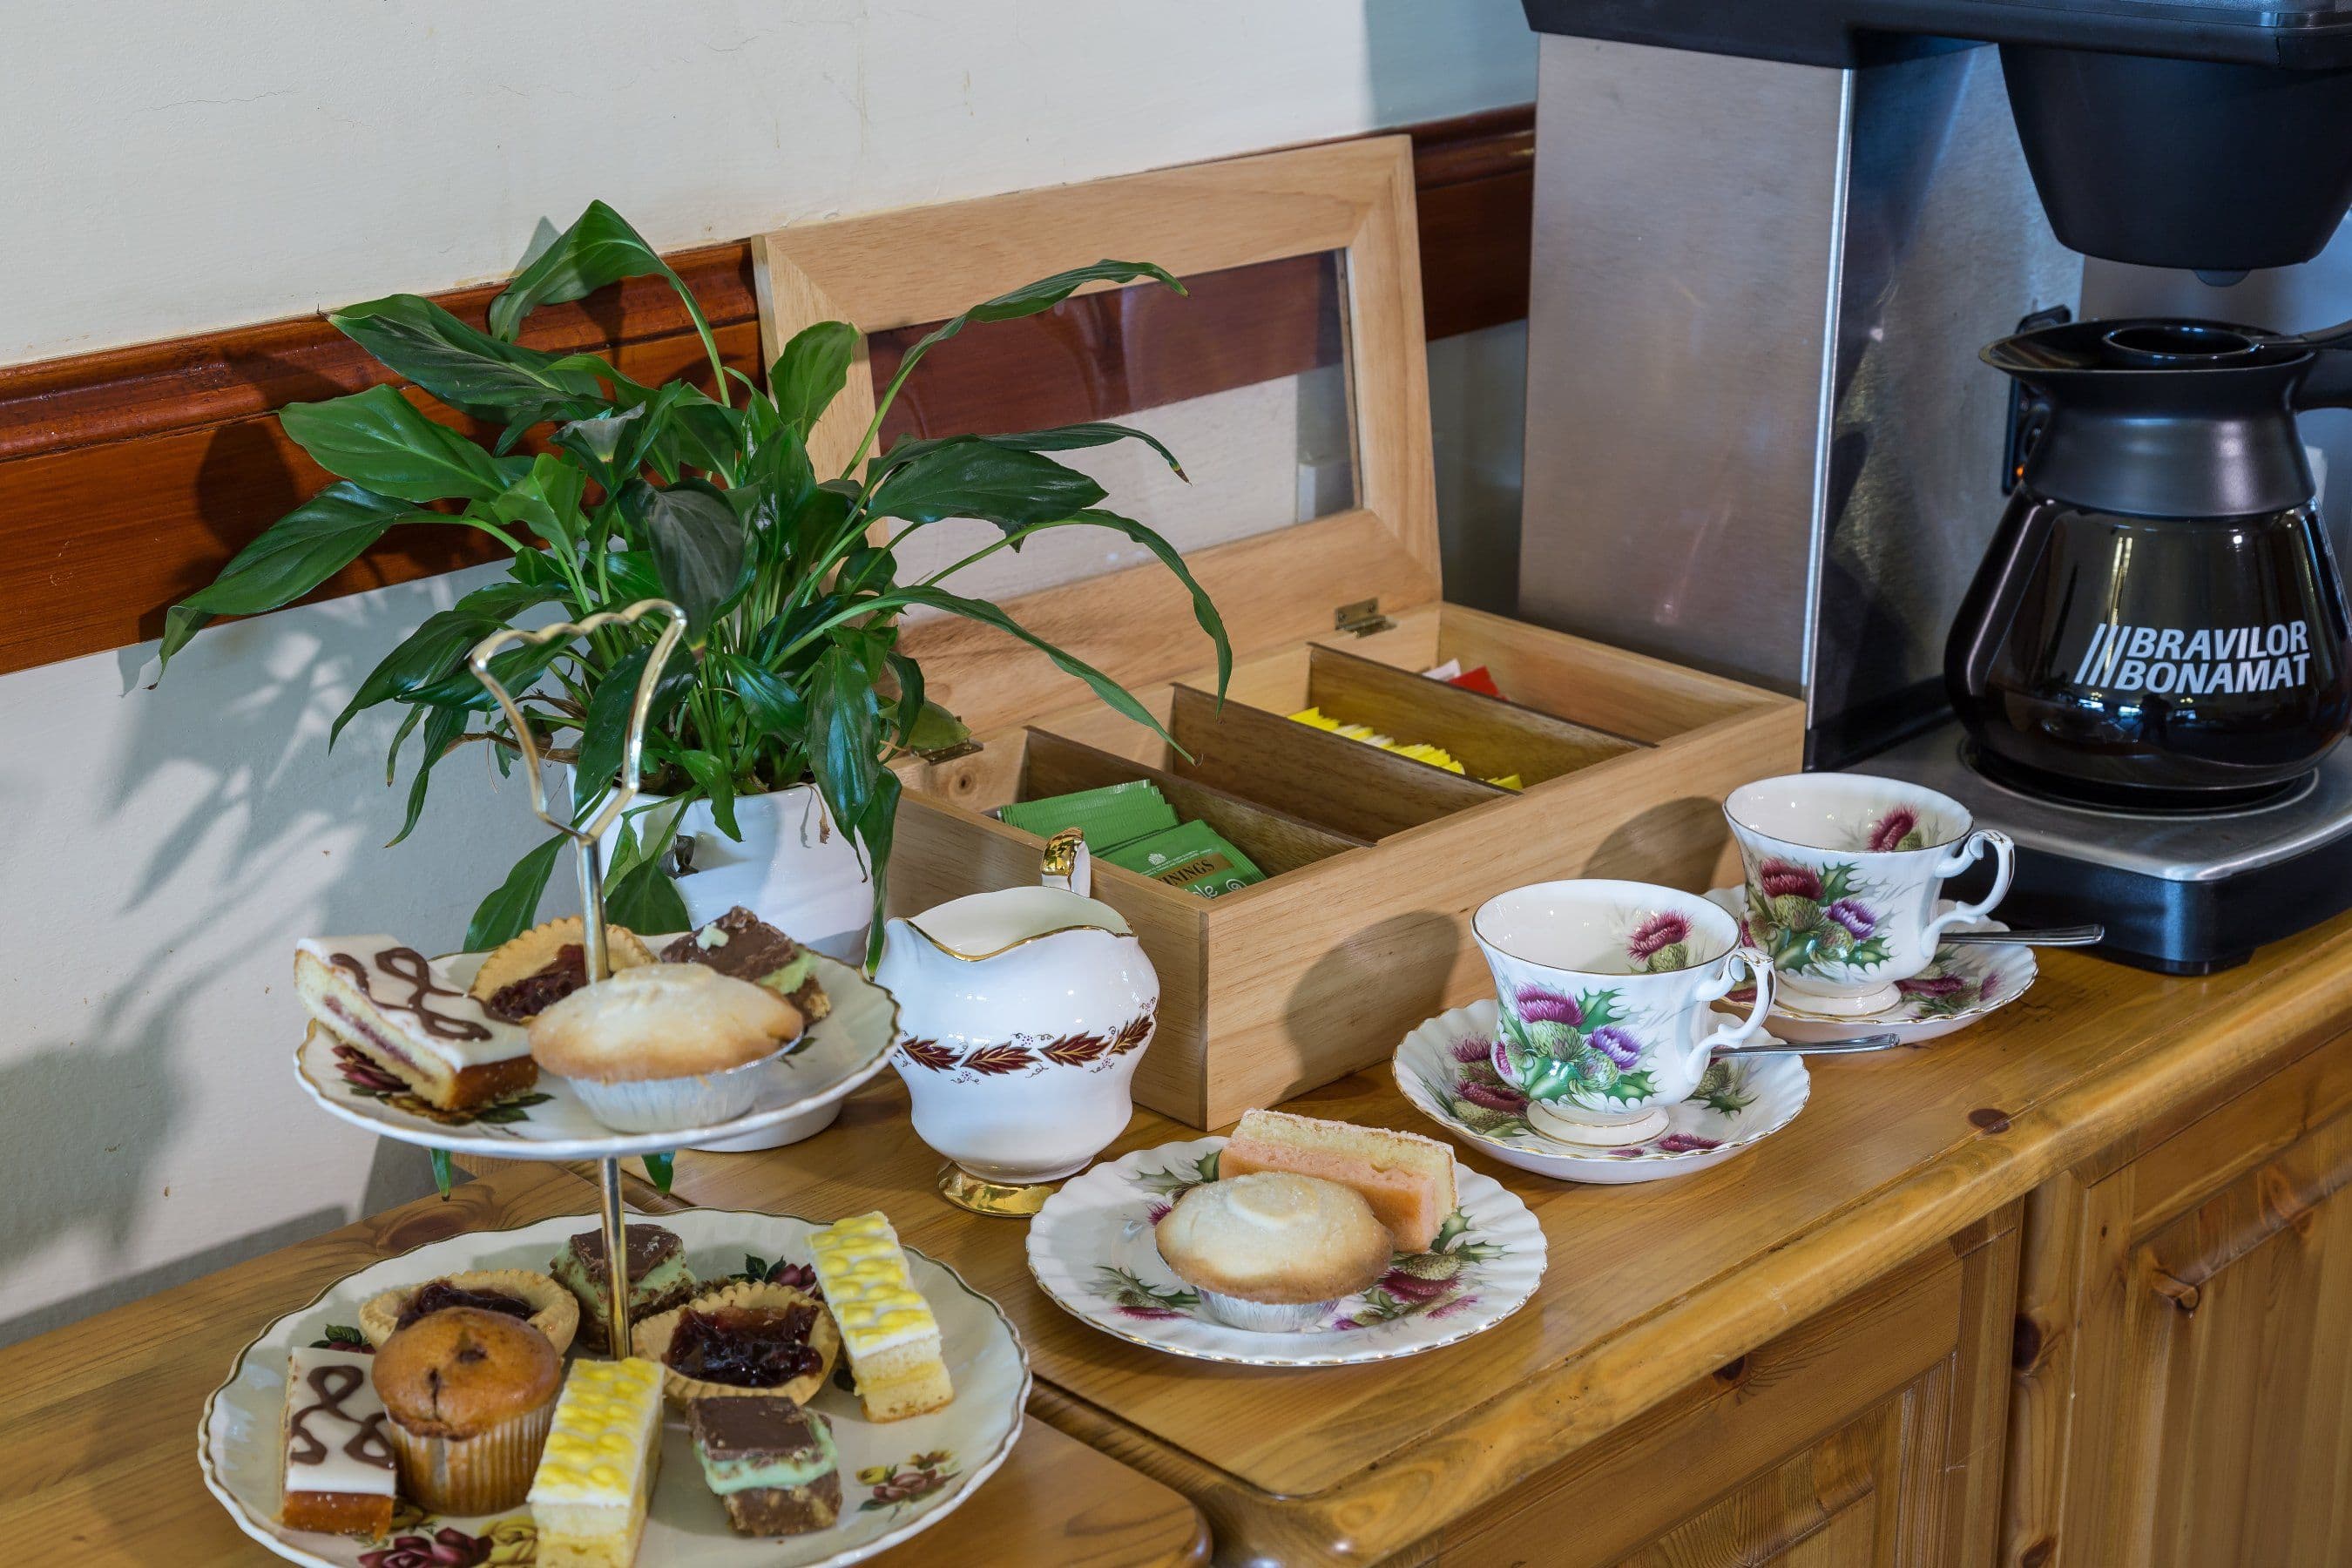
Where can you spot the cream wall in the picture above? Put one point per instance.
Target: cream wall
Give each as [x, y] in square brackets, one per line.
[173, 168]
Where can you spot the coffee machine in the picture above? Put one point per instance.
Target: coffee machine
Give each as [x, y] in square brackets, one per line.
[1773, 239]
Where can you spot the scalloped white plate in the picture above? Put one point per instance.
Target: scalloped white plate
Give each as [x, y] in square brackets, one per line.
[239, 1436]
[1091, 1249]
[844, 1048]
[1740, 1101]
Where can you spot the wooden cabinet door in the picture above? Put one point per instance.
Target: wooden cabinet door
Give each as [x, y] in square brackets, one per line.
[2184, 1393]
[1867, 1437]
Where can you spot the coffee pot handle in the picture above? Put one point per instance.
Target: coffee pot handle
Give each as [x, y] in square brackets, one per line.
[1971, 850]
[1067, 864]
[2328, 383]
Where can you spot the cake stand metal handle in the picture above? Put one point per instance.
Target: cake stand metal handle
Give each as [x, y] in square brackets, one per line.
[588, 846]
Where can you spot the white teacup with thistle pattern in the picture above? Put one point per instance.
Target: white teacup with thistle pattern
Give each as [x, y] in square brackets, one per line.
[1842, 875]
[1602, 991]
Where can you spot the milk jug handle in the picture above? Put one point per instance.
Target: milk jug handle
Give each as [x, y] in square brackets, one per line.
[1068, 864]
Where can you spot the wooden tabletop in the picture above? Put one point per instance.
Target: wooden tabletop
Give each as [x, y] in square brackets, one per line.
[1649, 1288]
[98, 1421]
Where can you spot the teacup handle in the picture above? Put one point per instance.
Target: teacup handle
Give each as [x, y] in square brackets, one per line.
[1758, 964]
[1068, 863]
[1971, 851]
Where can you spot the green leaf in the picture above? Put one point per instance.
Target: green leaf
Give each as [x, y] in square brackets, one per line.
[517, 669]
[646, 899]
[658, 1170]
[377, 438]
[514, 908]
[908, 707]
[811, 373]
[442, 728]
[439, 642]
[969, 477]
[702, 434]
[1026, 300]
[600, 247]
[873, 829]
[935, 729]
[293, 555]
[467, 368]
[442, 1174]
[844, 735]
[711, 776]
[697, 545]
[1113, 694]
[775, 707]
[1061, 438]
[414, 717]
[545, 498]
[604, 730]
[1204, 610]
[633, 576]
[599, 436]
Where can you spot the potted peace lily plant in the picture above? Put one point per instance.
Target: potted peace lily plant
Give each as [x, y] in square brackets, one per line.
[778, 715]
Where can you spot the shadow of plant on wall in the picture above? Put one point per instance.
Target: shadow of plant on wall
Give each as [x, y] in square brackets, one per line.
[147, 1107]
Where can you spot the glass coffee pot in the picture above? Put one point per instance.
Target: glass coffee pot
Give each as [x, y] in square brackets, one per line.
[2158, 623]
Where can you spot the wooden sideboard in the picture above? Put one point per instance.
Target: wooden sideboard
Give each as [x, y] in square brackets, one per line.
[2054, 1290]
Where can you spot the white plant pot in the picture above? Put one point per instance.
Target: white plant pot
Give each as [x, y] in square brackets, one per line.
[794, 868]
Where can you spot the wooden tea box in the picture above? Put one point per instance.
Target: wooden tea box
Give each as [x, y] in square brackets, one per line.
[1292, 382]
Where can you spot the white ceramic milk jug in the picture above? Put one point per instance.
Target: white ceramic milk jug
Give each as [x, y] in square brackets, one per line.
[1021, 1015]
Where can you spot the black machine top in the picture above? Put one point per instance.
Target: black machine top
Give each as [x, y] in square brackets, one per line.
[2208, 135]
[2301, 35]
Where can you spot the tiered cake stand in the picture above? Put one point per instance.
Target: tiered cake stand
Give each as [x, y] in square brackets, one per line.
[957, 1447]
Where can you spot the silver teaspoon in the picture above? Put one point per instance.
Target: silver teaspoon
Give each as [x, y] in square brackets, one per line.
[1857, 1045]
[2049, 936]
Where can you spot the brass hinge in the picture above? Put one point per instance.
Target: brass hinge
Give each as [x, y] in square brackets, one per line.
[1363, 617]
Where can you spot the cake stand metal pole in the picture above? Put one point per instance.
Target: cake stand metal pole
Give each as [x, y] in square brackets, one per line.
[588, 845]
[616, 1257]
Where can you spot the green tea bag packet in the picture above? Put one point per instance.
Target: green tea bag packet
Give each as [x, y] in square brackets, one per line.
[1192, 856]
[1110, 816]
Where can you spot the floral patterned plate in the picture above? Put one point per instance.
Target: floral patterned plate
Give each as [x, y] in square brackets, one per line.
[1960, 986]
[1445, 1069]
[1091, 1249]
[896, 1478]
[842, 1050]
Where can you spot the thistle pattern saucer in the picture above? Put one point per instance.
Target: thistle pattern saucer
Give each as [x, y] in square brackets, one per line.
[1092, 1251]
[1963, 984]
[1445, 1068]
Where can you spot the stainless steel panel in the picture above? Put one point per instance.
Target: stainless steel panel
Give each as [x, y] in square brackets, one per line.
[1758, 436]
[1946, 246]
[1686, 208]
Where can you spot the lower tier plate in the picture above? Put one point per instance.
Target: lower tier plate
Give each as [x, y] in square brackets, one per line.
[897, 1478]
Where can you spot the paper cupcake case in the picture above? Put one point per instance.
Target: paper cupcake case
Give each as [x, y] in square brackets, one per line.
[897, 1478]
[1091, 1250]
[552, 1121]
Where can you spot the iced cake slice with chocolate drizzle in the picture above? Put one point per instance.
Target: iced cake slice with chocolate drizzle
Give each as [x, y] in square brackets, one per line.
[399, 1009]
[339, 1469]
[740, 945]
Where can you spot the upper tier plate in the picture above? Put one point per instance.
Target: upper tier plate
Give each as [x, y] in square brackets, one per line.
[845, 1049]
[897, 1477]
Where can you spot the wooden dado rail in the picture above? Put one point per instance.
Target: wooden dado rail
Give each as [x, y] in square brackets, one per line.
[128, 476]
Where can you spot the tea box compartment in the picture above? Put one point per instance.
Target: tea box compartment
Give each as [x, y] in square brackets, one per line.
[1354, 937]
